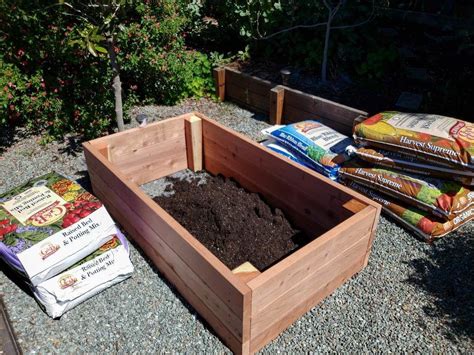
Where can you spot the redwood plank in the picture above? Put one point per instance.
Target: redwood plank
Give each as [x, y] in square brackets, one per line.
[154, 161]
[143, 234]
[245, 81]
[289, 272]
[99, 143]
[275, 318]
[216, 275]
[147, 153]
[277, 95]
[248, 97]
[326, 108]
[293, 114]
[246, 272]
[343, 193]
[219, 78]
[257, 169]
[193, 131]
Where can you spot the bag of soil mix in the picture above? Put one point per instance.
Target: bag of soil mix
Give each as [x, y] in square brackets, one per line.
[294, 156]
[322, 146]
[410, 164]
[438, 138]
[425, 225]
[50, 223]
[108, 265]
[444, 198]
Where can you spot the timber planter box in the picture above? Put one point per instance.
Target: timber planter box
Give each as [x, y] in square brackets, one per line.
[247, 308]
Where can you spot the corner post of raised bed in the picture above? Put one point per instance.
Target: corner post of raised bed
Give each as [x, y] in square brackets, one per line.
[219, 78]
[277, 96]
[193, 133]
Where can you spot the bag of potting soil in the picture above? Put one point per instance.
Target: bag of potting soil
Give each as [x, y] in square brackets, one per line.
[444, 198]
[425, 225]
[50, 223]
[322, 146]
[410, 164]
[108, 265]
[428, 137]
[294, 156]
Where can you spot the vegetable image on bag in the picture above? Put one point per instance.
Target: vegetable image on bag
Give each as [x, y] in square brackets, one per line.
[443, 198]
[48, 224]
[425, 225]
[443, 139]
[324, 147]
[410, 164]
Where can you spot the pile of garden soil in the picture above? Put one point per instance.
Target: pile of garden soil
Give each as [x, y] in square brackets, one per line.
[235, 225]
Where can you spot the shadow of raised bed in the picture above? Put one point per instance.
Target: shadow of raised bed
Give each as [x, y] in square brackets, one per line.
[446, 274]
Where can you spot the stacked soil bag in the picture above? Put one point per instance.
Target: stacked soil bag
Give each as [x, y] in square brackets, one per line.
[312, 144]
[61, 240]
[420, 167]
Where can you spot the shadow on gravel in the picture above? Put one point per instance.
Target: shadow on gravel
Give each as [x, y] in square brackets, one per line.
[446, 273]
[73, 146]
[84, 180]
[8, 137]
[14, 277]
[170, 286]
[259, 116]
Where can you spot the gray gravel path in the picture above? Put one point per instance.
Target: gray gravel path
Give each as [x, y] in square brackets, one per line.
[412, 297]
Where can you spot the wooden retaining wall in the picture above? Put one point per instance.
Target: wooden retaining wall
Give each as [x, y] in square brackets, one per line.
[282, 104]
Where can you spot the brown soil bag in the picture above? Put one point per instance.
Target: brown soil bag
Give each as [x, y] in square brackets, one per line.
[410, 164]
[443, 198]
[427, 226]
[437, 138]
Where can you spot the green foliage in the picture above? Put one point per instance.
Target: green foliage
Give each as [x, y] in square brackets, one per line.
[378, 62]
[355, 50]
[53, 78]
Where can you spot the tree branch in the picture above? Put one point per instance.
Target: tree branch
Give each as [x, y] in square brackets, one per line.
[327, 5]
[333, 13]
[293, 28]
[368, 19]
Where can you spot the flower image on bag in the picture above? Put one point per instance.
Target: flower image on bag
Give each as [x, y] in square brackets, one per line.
[438, 138]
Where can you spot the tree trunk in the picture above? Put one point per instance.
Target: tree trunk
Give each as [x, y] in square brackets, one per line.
[324, 65]
[116, 83]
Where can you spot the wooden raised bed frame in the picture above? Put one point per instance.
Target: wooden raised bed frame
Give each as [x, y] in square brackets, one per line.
[246, 308]
[282, 104]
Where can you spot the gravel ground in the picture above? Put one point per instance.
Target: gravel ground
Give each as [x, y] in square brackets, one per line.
[412, 297]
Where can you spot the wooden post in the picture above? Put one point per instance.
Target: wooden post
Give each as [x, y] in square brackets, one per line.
[246, 272]
[193, 132]
[219, 77]
[277, 95]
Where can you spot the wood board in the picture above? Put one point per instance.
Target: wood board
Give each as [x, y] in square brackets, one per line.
[247, 308]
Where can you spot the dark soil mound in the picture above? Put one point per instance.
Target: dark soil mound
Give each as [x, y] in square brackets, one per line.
[237, 226]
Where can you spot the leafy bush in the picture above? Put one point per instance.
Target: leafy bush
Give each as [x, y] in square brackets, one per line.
[49, 84]
[254, 23]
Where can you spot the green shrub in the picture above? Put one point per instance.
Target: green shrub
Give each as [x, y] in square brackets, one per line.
[51, 86]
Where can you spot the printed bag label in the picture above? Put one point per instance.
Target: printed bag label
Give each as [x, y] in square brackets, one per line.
[75, 282]
[40, 202]
[59, 246]
[435, 125]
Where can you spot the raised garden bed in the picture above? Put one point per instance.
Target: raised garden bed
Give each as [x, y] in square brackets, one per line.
[246, 307]
[283, 104]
